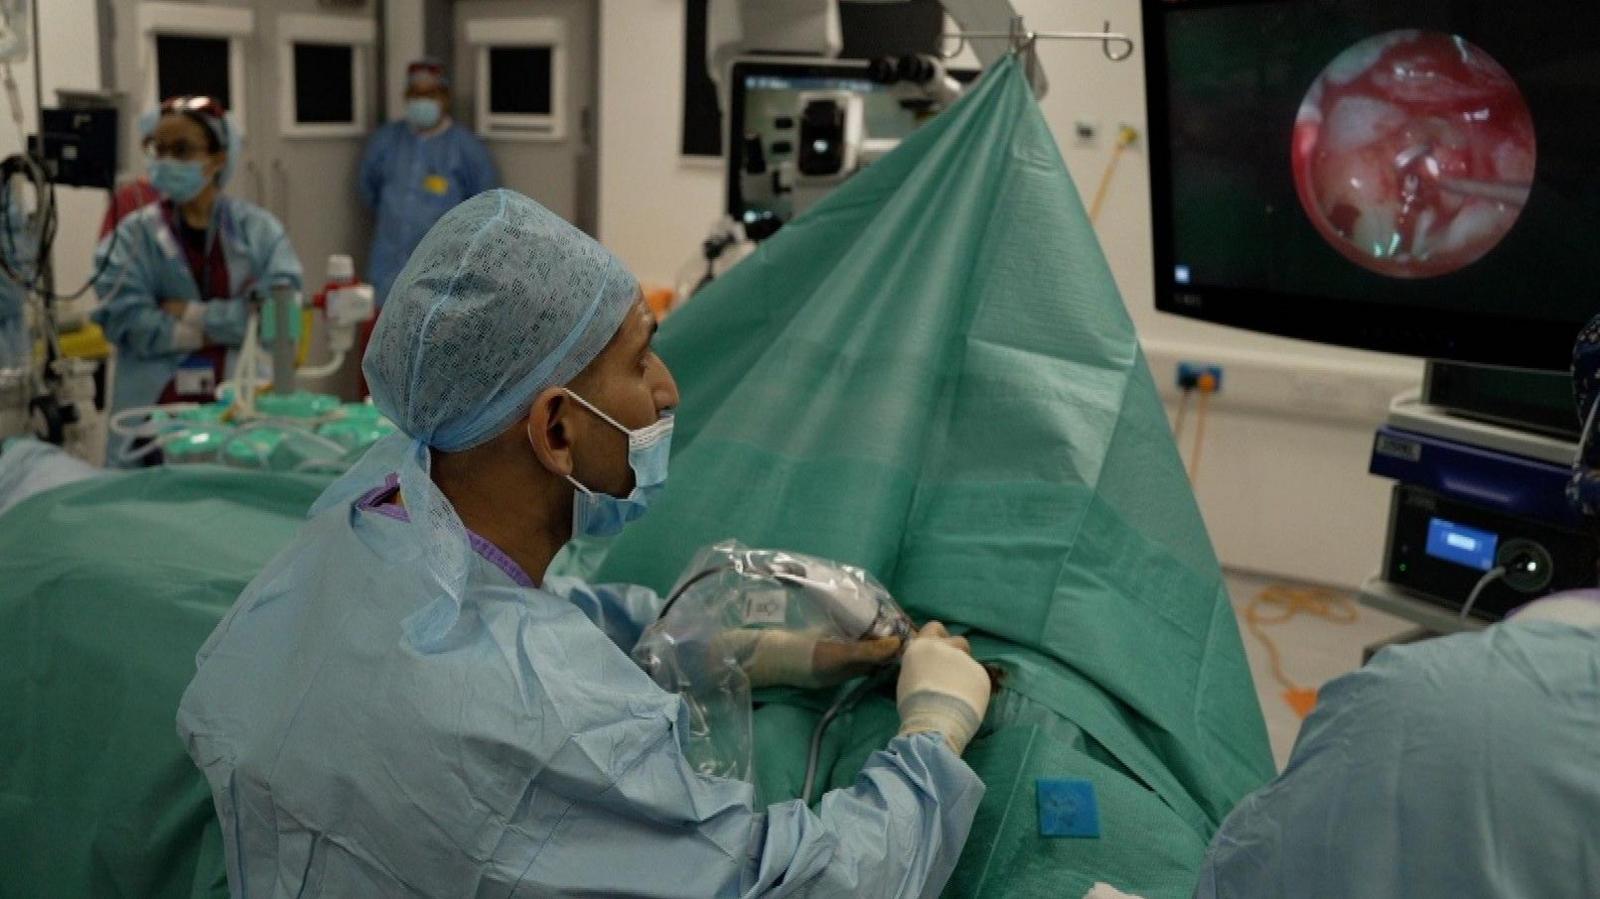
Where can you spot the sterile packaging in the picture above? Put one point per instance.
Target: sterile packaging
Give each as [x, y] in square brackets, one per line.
[724, 611]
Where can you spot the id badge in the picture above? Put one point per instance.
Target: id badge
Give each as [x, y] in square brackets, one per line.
[195, 379]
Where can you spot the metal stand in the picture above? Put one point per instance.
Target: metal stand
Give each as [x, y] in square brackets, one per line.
[1415, 635]
[1538, 402]
[1024, 43]
[1379, 594]
[283, 343]
[1432, 620]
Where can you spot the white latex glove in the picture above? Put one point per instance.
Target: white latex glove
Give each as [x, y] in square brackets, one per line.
[942, 688]
[788, 659]
[189, 332]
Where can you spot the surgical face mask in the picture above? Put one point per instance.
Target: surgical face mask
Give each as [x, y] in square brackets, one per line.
[180, 181]
[423, 113]
[603, 515]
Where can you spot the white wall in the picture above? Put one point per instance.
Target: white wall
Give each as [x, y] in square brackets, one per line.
[70, 58]
[1283, 483]
[403, 31]
[655, 206]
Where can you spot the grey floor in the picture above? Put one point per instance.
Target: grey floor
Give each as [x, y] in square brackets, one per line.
[1314, 652]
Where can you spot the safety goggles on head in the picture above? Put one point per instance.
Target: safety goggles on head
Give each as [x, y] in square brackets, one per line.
[208, 111]
[426, 75]
[206, 106]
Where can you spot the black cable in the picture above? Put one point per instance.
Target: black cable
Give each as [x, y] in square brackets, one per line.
[33, 170]
[105, 262]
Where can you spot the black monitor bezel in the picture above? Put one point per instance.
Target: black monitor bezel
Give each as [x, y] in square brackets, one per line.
[1380, 326]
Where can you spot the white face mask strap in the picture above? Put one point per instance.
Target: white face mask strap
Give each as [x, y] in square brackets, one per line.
[570, 479]
[603, 417]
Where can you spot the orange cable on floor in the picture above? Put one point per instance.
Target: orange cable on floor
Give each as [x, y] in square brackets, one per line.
[1320, 602]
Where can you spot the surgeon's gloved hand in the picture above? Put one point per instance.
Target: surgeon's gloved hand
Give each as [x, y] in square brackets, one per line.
[780, 658]
[942, 688]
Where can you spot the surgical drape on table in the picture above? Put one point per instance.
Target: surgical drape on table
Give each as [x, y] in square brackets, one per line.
[107, 588]
[931, 375]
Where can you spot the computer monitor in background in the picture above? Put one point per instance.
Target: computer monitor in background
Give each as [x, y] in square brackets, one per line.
[800, 128]
[1416, 177]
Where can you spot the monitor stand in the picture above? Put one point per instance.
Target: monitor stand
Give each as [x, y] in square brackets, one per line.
[1540, 402]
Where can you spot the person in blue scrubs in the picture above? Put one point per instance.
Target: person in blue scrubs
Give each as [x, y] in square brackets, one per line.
[416, 169]
[404, 703]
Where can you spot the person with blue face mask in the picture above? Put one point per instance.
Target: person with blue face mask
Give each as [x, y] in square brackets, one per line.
[404, 702]
[176, 277]
[416, 169]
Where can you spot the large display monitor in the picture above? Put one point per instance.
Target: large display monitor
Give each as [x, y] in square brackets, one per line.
[1416, 177]
[800, 128]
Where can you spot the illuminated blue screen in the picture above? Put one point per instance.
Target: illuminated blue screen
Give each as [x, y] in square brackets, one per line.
[1461, 545]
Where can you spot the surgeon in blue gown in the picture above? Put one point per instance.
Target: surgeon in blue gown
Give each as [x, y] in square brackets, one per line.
[1455, 768]
[1463, 767]
[403, 704]
[416, 169]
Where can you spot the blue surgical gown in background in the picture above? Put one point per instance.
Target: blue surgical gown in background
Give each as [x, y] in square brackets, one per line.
[141, 264]
[1461, 767]
[409, 180]
[525, 756]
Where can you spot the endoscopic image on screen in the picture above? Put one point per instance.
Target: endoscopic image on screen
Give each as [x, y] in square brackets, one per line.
[1430, 155]
[1414, 153]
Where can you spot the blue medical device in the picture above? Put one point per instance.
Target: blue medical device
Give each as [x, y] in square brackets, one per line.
[1479, 509]
[1460, 544]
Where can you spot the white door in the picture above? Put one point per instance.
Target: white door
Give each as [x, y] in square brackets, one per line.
[322, 67]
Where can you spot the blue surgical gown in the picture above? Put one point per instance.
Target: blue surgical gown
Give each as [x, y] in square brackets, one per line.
[409, 180]
[526, 756]
[1462, 767]
[141, 264]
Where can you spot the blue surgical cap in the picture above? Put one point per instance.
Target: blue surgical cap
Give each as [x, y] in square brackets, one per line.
[501, 300]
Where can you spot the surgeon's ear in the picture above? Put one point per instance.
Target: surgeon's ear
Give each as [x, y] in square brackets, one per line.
[550, 423]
